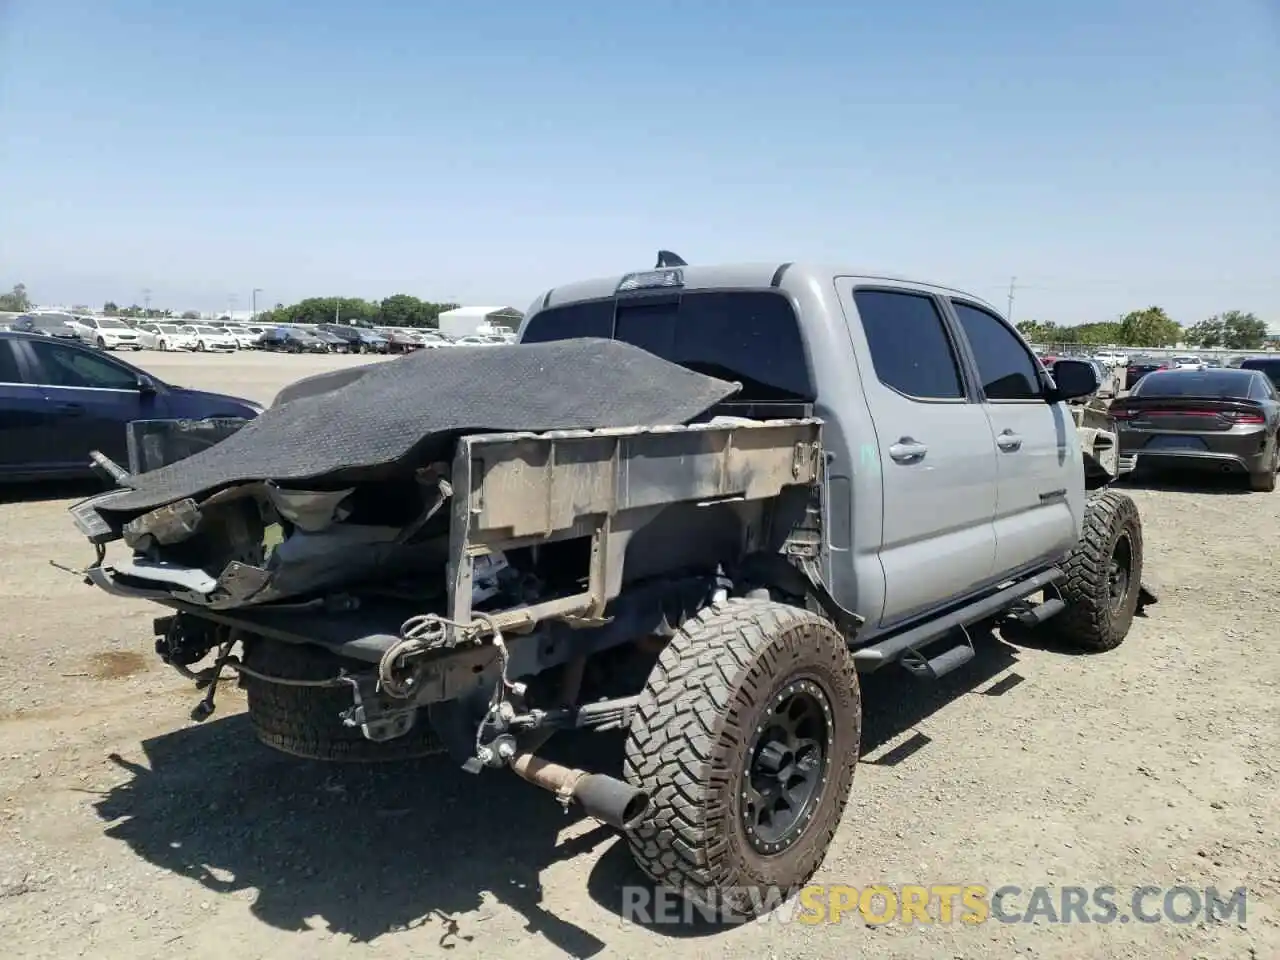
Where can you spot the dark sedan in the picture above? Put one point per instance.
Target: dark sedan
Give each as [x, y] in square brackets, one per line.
[1268, 365]
[1139, 367]
[358, 339]
[47, 325]
[292, 340]
[1226, 420]
[59, 401]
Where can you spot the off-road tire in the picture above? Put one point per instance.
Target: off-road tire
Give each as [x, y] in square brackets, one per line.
[1266, 482]
[688, 745]
[304, 722]
[1094, 619]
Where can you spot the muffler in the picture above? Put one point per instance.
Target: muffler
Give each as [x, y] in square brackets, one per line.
[605, 798]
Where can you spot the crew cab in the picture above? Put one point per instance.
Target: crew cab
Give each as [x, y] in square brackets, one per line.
[878, 465]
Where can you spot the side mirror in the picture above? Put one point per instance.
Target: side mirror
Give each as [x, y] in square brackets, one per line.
[1073, 378]
[147, 386]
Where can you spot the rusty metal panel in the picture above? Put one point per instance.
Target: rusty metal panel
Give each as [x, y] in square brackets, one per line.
[547, 484]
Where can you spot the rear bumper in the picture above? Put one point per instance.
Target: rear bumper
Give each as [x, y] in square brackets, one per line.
[1229, 453]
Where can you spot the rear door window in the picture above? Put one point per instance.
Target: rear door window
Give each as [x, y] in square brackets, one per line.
[910, 348]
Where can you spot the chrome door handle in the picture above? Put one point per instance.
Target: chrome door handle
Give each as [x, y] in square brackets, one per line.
[907, 450]
[1009, 441]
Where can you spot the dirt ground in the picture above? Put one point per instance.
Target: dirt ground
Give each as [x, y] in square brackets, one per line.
[127, 831]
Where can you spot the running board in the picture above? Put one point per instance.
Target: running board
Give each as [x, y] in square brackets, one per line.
[953, 659]
[877, 654]
[1035, 615]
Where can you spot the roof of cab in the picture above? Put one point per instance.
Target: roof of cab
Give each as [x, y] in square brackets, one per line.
[759, 275]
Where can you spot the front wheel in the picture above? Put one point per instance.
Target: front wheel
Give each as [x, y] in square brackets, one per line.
[163, 346]
[746, 738]
[1104, 575]
[102, 344]
[200, 347]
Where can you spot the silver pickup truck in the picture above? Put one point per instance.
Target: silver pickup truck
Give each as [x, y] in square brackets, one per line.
[893, 468]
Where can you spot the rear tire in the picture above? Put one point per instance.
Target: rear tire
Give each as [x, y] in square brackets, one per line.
[303, 721]
[746, 739]
[1266, 482]
[1104, 575]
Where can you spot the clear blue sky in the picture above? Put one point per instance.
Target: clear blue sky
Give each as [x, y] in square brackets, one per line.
[1110, 153]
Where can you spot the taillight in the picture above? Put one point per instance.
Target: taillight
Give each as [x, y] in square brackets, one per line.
[1121, 413]
[1239, 416]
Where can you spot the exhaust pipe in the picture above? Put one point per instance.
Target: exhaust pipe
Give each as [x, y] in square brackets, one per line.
[607, 799]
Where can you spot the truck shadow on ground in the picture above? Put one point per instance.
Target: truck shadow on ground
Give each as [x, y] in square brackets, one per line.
[373, 850]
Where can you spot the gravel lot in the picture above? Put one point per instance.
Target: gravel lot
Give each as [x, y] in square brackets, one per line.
[126, 831]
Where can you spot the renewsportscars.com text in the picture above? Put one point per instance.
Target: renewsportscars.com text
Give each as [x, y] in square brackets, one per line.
[941, 904]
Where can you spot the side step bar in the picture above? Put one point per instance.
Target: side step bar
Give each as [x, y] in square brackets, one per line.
[884, 651]
[952, 659]
[1034, 616]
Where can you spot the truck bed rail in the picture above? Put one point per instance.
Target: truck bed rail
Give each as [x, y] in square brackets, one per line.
[519, 489]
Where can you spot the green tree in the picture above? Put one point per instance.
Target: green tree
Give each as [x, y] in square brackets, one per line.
[1040, 332]
[1242, 331]
[190, 315]
[403, 310]
[16, 300]
[1151, 327]
[398, 310]
[1095, 334]
[110, 308]
[1206, 333]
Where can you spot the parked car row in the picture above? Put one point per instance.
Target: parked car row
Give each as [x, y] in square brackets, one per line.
[115, 333]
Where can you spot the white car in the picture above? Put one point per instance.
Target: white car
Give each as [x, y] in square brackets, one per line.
[1112, 358]
[107, 333]
[211, 339]
[164, 336]
[246, 336]
[1187, 362]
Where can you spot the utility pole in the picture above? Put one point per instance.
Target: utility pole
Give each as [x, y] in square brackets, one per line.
[231, 305]
[146, 301]
[253, 304]
[1008, 314]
